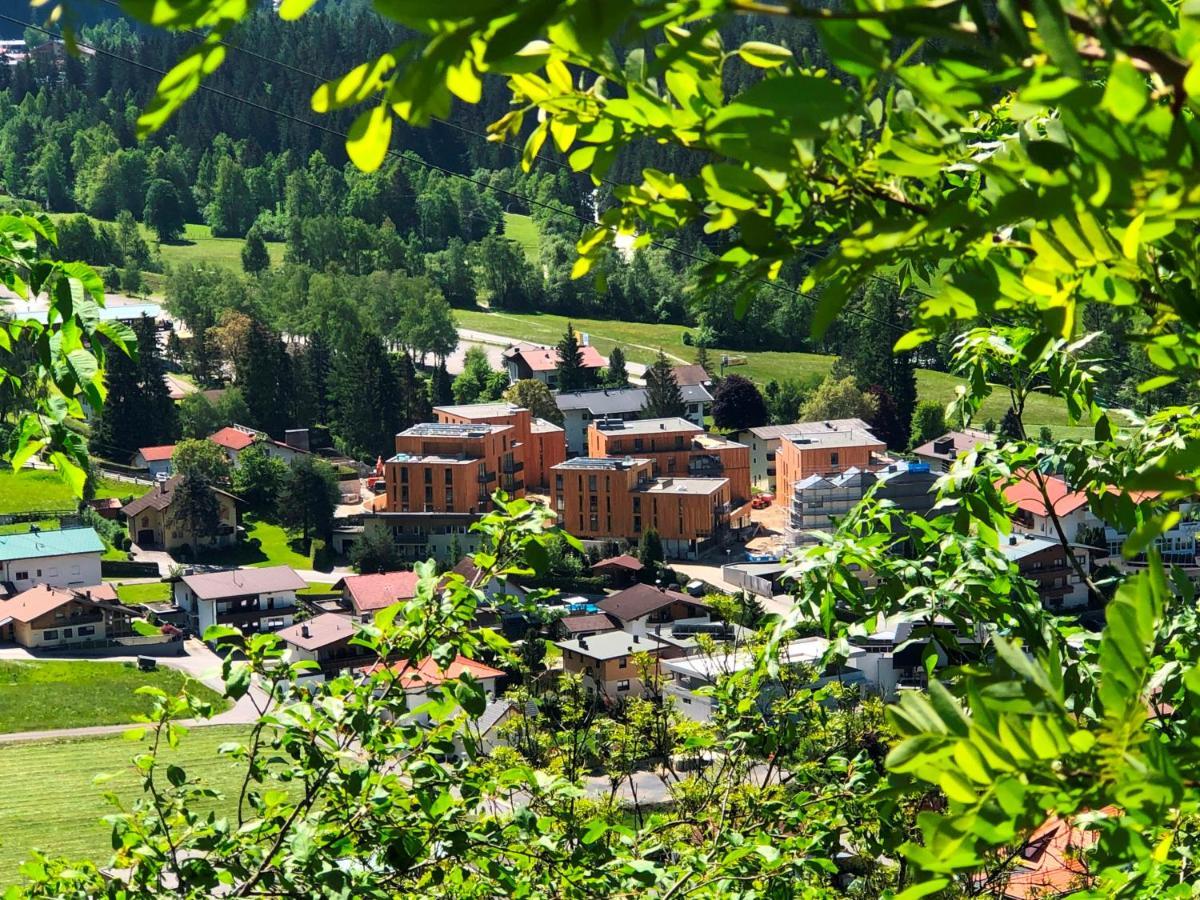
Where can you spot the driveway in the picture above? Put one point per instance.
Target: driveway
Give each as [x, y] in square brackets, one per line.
[780, 604]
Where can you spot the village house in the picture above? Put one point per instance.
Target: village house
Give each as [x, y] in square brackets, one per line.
[686, 678]
[694, 382]
[605, 664]
[254, 600]
[1044, 560]
[326, 640]
[236, 438]
[825, 453]
[764, 445]
[620, 571]
[45, 617]
[365, 595]
[541, 363]
[155, 522]
[605, 499]
[645, 604]
[66, 557]
[942, 452]
[155, 460]
[536, 443]
[440, 482]
[678, 448]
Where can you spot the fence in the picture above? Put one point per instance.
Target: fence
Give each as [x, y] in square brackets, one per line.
[67, 517]
[755, 584]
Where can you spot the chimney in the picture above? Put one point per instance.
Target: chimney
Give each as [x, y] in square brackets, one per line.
[1012, 540]
[637, 638]
[304, 630]
[662, 426]
[583, 644]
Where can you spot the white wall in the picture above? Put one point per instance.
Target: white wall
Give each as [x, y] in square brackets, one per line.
[71, 570]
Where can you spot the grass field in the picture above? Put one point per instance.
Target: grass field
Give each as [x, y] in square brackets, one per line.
[199, 246]
[642, 341]
[148, 592]
[266, 544]
[51, 803]
[36, 696]
[521, 228]
[33, 489]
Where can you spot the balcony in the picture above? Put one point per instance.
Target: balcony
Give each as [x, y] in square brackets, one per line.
[512, 485]
[706, 466]
[410, 539]
[513, 467]
[486, 477]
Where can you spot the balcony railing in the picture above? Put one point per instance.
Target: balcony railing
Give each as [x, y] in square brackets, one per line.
[410, 538]
[486, 477]
[513, 467]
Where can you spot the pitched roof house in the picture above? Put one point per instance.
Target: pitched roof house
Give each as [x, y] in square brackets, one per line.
[325, 639]
[645, 601]
[155, 522]
[250, 599]
[534, 361]
[367, 594]
[156, 460]
[52, 617]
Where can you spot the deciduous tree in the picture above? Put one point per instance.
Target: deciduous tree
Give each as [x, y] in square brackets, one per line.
[536, 397]
[737, 404]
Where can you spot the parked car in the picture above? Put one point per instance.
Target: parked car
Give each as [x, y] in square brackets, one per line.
[696, 588]
[762, 501]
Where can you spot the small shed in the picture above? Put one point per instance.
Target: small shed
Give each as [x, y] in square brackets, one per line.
[620, 571]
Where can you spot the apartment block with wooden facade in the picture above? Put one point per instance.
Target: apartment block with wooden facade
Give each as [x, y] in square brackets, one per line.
[825, 454]
[537, 444]
[608, 498]
[677, 448]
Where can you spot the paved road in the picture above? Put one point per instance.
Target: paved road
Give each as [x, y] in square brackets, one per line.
[198, 661]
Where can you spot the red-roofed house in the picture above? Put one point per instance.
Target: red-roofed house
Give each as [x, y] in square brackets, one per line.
[621, 571]
[1033, 512]
[365, 595]
[534, 361]
[1051, 863]
[49, 617]
[236, 438]
[157, 460]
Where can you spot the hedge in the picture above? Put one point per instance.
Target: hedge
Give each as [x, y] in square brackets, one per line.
[125, 568]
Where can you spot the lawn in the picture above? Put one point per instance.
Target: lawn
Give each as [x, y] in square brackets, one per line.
[200, 247]
[36, 489]
[51, 803]
[524, 231]
[42, 695]
[642, 341]
[146, 592]
[265, 544]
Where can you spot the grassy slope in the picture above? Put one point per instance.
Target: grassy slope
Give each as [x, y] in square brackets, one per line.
[71, 694]
[642, 341]
[31, 489]
[265, 545]
[521, 228]
[51, 802]
[200, 247]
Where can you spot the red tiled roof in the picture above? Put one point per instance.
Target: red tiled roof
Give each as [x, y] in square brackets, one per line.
[1050, 864]
[373, 592]
[157, 454]
[232, 439]
[428, 674]
[1027, 495]
[545, 359]
[624, 561]
[41, 599]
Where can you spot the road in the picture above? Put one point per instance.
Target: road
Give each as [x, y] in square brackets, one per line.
[494, 345]
[780, 604]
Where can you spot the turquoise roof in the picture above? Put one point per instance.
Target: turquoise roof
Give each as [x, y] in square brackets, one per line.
[40, 544]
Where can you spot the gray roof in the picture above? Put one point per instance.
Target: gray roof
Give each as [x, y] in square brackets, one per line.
[604, 463]
[480, 410]
[695, 393]
[770, 432]
[649, 426]
[1018, 546]
[613, 644]
[244, 582]
[855, 437]
[675, 485]
[452, 429]
[605, 402]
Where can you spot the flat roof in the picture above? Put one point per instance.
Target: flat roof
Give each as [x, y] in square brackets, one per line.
[714, 441]
[605, 463]
[432, 459]
[674, 485]
[452, 429]
[648, 426]
[853, 438]
[482, 410]
[770, 432]
[706, 666]
[541, 426]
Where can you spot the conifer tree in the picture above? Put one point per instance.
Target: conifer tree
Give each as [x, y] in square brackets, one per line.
[255, 258]
[572, 376]
[441, 390]
[139, 411]
[364, 409]
[663, 397]
[618, 376]
[414, 399]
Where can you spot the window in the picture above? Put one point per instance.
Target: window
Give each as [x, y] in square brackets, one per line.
[51, 635]
[687, 700]
[67, 632]
[39, 573]
[86, 630]
[670, 464]
[592, 483]
[558, 482]
[428, 475]
[623, 662]
[638, 443]
[679, 442]
[404, 475]
[623, 684]
[833, 459]
[21, 576]
[559, 503]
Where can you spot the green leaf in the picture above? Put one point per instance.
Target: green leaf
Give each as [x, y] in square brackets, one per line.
[1056, 34]
[764, 55]
[369, 138]
[290, 10]
[1126, 93]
